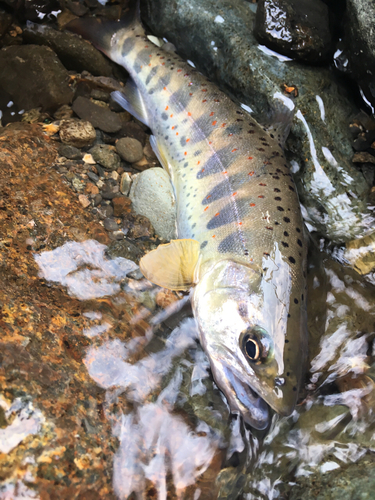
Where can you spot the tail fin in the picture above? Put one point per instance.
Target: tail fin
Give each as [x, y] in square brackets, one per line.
[100, 31]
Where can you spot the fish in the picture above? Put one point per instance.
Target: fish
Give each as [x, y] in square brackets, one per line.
[241, 247]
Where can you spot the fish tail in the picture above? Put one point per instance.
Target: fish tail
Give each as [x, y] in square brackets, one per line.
[100, 31]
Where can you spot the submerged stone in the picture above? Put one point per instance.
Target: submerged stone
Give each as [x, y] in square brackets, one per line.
[295, 28]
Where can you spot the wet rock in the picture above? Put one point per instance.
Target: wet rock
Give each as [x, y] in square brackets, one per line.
[142, 164]
[152, 196]
[333, 192]
[77, 184]
[92, 176]
[359, 44]
[129, 149]
[84, 201]
[104, 211]
[91, 188]
[137, 226]
[110, 224]
[99, 116]
[75, 53]
[355, 481]
[70, 152]
[106, 156]
[125, 183]
[125, 249]
[77, 133]
[295, 28]
[97, 200]
[34, 77]
[5, 22]
[121, 205]
[63, 113]
[132, 129]
[363, 158]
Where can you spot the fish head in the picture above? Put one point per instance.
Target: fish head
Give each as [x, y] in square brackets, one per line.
[255, 346]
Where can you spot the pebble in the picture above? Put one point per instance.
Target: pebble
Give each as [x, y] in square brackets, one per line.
[77, 184]
[70, 152]
[129, 149]
[118, 235]
[106, 156]
[142, 165]
[110, 191]
[114, 175]
[97, 200]
[132, 129]
[84, 201]
[125, 249]
[91, 188]
[110, 224]
[101, 117]
[77, 133]
[89, 159]
[125, 183]
[64, 112]
[151, 189]
[121, 204]
[138, 226]
[92, 176]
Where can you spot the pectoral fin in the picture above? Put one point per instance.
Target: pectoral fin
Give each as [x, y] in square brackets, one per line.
[172, 265]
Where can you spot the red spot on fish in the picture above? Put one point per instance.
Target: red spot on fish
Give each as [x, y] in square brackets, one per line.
[164, 88]
[223, 124]
[214, 123]
[249, 157]
[214, 235]
[216, 100]
[234, 194]
[204, 90]
[146, 46]
[198, 164]
[252, 204]
[189, 114]
[217, 214]
[174, 126]
[163, 64]
[166, 108]
[230, 135]
[240, 223]
[150, 55]
[190, 83]
[212, 114]
[233, 150]
[150, 64]
[270, 228]
[186, 74]
[262, 184]
[209, 196]
[162, 57]
[176, 133]
[179, 70]
[185, 153]
[141, 67]
[171, 115]
[261, 196]
[224, 172]
[205, 209]
[204, 100]
[187, 140]
[251, 173]
[190, 94]
[209, 142]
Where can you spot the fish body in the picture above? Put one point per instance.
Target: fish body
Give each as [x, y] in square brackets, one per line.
[239, 223]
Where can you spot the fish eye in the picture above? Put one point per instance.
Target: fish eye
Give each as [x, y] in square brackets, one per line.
[251, 347]
[256, 345]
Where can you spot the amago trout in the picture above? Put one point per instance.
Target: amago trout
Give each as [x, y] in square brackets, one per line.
[239, 222]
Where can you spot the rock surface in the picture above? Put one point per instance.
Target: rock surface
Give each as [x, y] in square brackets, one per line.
[99, 116]
[152, 188]
[75, 53]
[77, 133]
[295, 28]
[332, 190]
[106, 156]
[34, 77]
[129, 149]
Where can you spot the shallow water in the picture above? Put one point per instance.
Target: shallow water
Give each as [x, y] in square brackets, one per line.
[175, 435]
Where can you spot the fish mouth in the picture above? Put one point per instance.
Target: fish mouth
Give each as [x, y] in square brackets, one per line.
[242, 398]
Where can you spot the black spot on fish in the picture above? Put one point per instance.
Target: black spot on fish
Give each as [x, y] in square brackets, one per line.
[229, 244]
[299, 242]
[152, 73]
[233, 129]
[186, 164]
[284, 244]
[280, 209]
[181, 98]
[225, 188]
[165, 117]
[228, 215]
[277, 198]
[162, 82]
[296, 301]
[286, 233]
[291, 188]
[286, 219]
[197, 153]
[193, 226]
[216, 163]
[292, 260]
[137, 67]
[183, 141]
[298, 230]
[204, 244]
[277, 190]
[127, 46]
